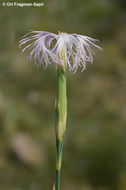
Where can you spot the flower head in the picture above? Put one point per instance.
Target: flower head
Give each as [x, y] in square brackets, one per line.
[68, 50]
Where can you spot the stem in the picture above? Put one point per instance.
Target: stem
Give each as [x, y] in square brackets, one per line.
[61, 115]
[57, 180]
[59, 146]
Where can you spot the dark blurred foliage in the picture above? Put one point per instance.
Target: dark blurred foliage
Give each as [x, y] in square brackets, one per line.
[94, 151]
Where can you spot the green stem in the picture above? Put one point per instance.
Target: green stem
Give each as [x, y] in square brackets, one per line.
[59, 146]
[57, 180]
[61, 115]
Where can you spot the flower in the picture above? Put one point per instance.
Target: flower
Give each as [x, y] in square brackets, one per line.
[69, 50]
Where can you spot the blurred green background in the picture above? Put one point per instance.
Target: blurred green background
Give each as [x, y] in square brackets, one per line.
[94, 156]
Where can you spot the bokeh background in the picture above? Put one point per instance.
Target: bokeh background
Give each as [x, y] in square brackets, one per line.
[94, 156]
